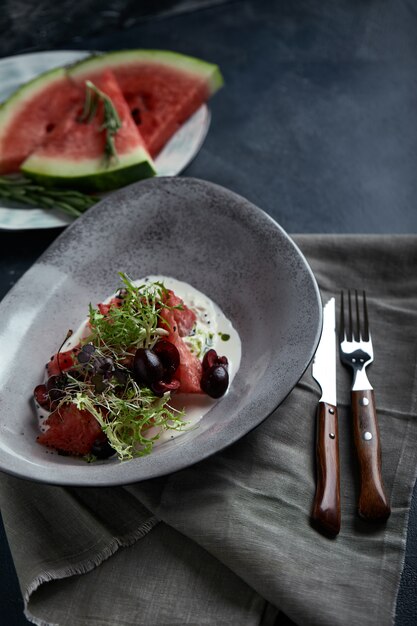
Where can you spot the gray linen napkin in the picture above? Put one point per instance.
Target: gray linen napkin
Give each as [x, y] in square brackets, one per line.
[235, 532]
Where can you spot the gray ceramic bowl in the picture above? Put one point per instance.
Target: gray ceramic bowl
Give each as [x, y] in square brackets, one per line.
[194, 231]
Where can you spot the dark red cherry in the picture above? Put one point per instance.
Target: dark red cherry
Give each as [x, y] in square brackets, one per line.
[211, 358]
[215, 381]
[160, 387]
[147, 367]
[101, 448]
[42, 397]
[55, 386]
[169, 356]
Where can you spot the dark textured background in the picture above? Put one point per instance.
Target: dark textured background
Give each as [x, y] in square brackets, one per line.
[45, 25]
[316, 125]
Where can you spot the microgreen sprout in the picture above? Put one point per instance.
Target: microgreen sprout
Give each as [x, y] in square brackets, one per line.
[133, 323]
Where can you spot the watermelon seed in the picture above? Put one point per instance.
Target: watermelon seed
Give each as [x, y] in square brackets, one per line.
[50, 127]
[136, 116]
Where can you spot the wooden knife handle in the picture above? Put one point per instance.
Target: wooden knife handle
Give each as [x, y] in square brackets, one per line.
[373, 503]
[326, 508]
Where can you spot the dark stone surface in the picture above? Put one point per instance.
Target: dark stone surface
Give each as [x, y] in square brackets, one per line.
[45, 25]
[317, 124]
[317, 120]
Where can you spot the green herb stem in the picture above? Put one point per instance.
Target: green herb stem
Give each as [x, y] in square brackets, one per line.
[74, 203]
[111, 121]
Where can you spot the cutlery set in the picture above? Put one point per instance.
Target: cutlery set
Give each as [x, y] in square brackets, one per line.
[356, 352]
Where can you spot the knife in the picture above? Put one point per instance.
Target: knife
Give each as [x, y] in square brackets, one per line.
[326, 507]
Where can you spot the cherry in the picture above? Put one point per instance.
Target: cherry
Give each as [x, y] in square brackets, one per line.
[169, 356]
[215, 381]
[147, 367]
[160, 387]
[211, 358]
[49, 394]
[55, 386]
[42, 397]
[101, 448]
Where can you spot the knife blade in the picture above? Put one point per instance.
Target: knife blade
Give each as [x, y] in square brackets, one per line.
[326, 508]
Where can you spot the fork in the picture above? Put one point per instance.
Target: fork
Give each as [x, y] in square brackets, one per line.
[356, 351]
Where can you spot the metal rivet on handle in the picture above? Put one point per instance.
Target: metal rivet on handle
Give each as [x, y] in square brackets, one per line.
[332, 435]
[364, 401]
[367, 435]
[331, 411]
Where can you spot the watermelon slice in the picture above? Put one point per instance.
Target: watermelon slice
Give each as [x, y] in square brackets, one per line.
[176, 321]
[162, 88]
[72, 154]
[183, 316]
[71, 430]
[61, 362]
[190, 369]
[31, 113]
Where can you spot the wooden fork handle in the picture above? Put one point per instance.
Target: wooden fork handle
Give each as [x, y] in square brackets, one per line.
[326, 507]
[373, 503]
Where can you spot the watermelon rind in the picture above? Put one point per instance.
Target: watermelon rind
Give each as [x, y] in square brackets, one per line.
[208, 72]
[89, 174]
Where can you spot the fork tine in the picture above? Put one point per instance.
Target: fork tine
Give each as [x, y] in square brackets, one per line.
[357, 335]
[351, 334]
[346, 320]
[365, 335]
[356, 326]
[354, 321]
[342, 332]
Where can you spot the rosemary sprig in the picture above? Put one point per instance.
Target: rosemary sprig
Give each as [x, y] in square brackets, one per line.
[20, 189]
[111, 120]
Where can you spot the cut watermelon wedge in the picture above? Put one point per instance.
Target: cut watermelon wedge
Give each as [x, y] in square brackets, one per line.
[70, 430]
[179, 323]
[72, 154]
[162, 88]
[31, 113]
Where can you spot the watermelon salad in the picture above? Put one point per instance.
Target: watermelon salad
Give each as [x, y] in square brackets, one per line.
[151, 93]
[112, 388]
